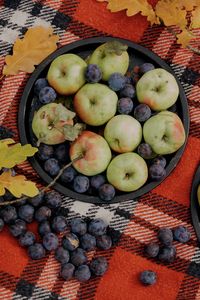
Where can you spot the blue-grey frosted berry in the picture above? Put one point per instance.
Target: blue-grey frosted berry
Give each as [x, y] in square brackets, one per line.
[160, 160]
[148, 277]
[82, 273]
[53, 199]
[167, 254]
[104, 242]
[165, 235]
[59, 224]
[152, 250]
[9, 214]
[88, 242]
[78, 257]
[106, 192]
[17, 228]
[37, 200]
[61, 153]
[1, 224]
[142, 112]
[116, 81]
[81, 184]
[146, 67]
[40, 84]
[68, 175]
[97, 180]
[62, 255]
[43, 213]
[47, 95]
[26, 212]
[78, 226]
[70, 241]
[93, 73]
[36, 251]
[50, 241]
[181, 234]
[45, 151]
[44, 228]
[67, 271]
[145, 151]
[156, 172]
[27, 239]
[125, 105]
[99, 266]
[97, 227]
[128, 91]
[51, 166]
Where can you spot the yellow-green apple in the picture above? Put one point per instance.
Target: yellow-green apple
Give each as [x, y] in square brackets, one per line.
[95, 150]
[95, 103]
[158, 89]
[127, 172]
[49, 121]
[66, 73]
[123, 133]
[111, 57]
[164, 132]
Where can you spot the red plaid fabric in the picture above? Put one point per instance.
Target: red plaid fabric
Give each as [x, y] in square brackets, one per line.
[134, 223]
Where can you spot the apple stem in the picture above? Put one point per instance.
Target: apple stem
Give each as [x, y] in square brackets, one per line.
[44, 189]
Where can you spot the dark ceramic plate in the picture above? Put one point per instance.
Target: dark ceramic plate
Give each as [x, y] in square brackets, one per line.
[194, 205]
[138, 55]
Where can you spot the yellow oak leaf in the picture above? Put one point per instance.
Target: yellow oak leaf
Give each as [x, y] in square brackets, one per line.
[36, 45]
[171, 13]
[184, 38]
[133, 7]
[195, 20]
[187, 4]
[17, 185]
[10, 155]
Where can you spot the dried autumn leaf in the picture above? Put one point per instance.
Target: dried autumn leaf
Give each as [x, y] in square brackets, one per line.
[187, 4]
[184, 38]
[14, 154]
[171, 13]
[17, 185]
[195, 20]
[36, 45]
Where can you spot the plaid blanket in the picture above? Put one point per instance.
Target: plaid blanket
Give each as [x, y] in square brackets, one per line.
[134, 223]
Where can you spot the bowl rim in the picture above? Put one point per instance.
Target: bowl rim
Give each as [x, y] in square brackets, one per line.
[194, 205]
[22, 112]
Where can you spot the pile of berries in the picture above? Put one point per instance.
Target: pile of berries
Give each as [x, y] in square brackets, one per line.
[78, 236]
[165, 253]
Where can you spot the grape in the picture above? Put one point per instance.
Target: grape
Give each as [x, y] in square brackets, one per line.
[9, 214]
[37, 200]
[81, 184]
[142, 112]
[67, 271]
[78, 226]
[99, 266]
[156, 172]
[68, 175]
[146, 67]
[104, 242]
[47, 95]
[62, 255]
[97, 227]
[17, 228]
[88, 242]
[61, 153]
[53, 199]
[167, 254]
[26, 212]
[78, 257]
[27, 239]
[106, 192]
[36, 251]
[160, 160]
[70, 241]
[148, 277]
[97, 180]
[152, 249]
[125, 105]
[45, 151]
[40, 84]
[82, 273]
[44, 228]
[93, 73]
[43, 213]
[50, 241]
[165, 235]
[128, 91]
[59, 224]
[51, 166]
[116, 81]
[145, 151]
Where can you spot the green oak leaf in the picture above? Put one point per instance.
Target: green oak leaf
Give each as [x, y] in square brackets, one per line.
[72, 132]
[61, 115]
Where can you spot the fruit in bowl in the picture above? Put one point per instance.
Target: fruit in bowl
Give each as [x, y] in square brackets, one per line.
[95, 103]
[123, 133]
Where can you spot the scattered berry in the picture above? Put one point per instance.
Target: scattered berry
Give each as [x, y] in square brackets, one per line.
[165, 235]
[116, 81]
[99, 266]
[36, 251]
[82, 273]
[142, 112]
[67, 271]
[152, 250]
[40, 84]
[93, 73]
[44, 228]
[125, 105]
[68, 175]
[146, 67]
[88, 242]
[26, 212]
[167, 254]
[61, 153]
[97, 227]
[47, 95]
[27, 239]
[59, 224]
[160, 160]
[78, 226]
[81, 184]
[62, 255]
[97, 180]
[53, 199]
[181, 234]
[156, 172]
[70, 241]
[37, 200]
[1, 224]
[9, 214]
[106, 192]
[45, 151]
[145, 151]
[43, 213]
[104, 242]
[148, 277]
[128, 91]
[50, 241]
[51, 166]
[17, 228]
[78, 257]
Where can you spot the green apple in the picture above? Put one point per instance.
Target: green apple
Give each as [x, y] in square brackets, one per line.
[111, 57]
[158, 89]
[67, 73]
[127, 172]
[48, 123]
[164, 132]
[95, 103]
[123, 133]
[95, 150]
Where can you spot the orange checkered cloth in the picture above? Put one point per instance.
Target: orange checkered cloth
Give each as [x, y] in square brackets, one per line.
[134, 223]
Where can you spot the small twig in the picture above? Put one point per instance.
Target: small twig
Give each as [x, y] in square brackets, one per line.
[46, 187]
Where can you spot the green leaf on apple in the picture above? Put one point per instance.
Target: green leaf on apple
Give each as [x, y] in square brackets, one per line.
[115, 47]
[72, 132]
[63, 114]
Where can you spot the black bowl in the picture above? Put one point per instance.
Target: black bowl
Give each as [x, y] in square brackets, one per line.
[194, 205]
[138, 55]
